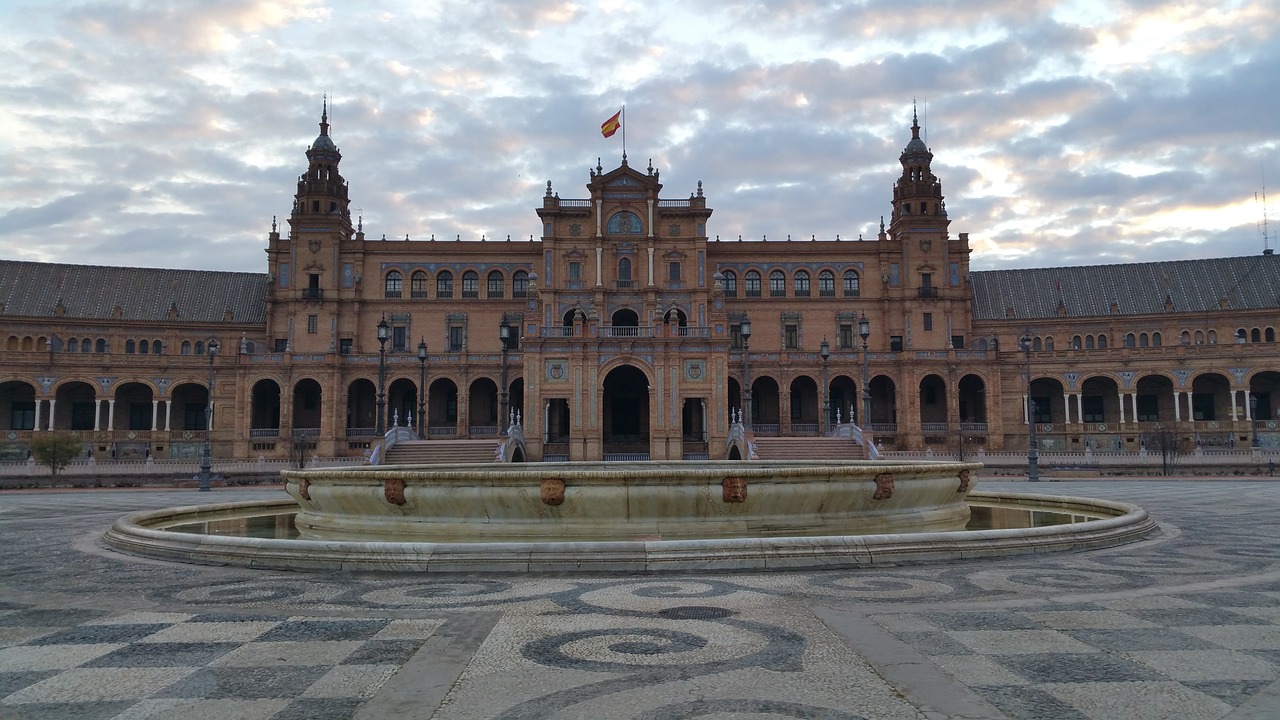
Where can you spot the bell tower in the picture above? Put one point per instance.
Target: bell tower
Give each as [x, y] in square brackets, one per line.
[917, 195]
[322, 199]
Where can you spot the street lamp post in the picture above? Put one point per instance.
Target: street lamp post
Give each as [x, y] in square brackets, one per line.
[422, 389]
[745, 332]
[825, 349]
[504, 334]
[384, 331]
[208, 423]
[864, 332]
[1033, 459]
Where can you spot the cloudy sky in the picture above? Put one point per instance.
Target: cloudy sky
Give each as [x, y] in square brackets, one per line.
[167, 133]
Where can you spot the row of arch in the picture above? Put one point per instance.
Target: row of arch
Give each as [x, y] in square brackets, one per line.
[800, 283]
[1207, 397]
[139, 346]
[1154, 339]
[420, 284]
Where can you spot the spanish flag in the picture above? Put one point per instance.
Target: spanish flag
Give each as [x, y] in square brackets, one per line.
[611, 125]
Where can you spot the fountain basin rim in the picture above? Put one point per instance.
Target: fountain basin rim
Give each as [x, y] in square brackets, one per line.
[135, 534]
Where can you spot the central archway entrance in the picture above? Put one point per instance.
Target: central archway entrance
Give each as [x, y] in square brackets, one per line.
[625, 421]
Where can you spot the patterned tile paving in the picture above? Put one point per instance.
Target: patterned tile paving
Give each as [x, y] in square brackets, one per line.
[1183, 626]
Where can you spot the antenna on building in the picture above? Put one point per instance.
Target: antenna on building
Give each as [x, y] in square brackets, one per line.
[1262, 224]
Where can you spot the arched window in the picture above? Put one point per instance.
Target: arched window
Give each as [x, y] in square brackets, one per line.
[444, 284]
[470, 285]
[186, 347]
[624, 273]
[777, 284]
[1142, 340]
[144, 347]
[520, 284]
[1255, 336]
[101, 345]
[395, 284]
[249, 347]
[1037, 344]
[1048, 344]
[418, 285]
[1155, 339]
[1270, 335]
[982, 343]
[851, 284]
[624, 223]
[129, 347]
[1076, 343]
[1199, 337]
[497, 284]
[752, 284]
[1185, 338]
[1088, 342]
[730, 283]
[1241, 335]
[1102, 342]
[199, 347]
[802, 283]
[86, 345]
[73, 345]
[1130, 340]
[1213, 336]
[826, 284]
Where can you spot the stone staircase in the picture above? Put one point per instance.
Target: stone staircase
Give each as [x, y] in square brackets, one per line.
[808, 448]
[442, 452]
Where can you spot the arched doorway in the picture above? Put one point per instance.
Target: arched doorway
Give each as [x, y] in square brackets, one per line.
[1264, 408]
[307, 395]
[17, 408]
[933, 409]
[135, 410]
[362, 409]
[442, 408]
[843, 399]
[805, 406]
[765, 406]
[402, 403]
[884, 406]
[482, 408]
[625, 420]
[264, 419]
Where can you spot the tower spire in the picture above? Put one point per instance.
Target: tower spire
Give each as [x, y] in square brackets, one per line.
[915, 120]
[324, 116]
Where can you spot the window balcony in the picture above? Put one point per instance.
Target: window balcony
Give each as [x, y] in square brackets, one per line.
[312, 294]
[927, 292]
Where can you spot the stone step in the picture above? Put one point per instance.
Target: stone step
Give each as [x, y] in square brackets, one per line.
[433, 452]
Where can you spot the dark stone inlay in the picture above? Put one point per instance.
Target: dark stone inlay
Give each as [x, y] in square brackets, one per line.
[1029, 703]
[695, 612]
[383, 652]
[1127, 639]
[702, 708]
[1238, 598]
[1077, 668]
[12, 682]
[308, 630]
[176, 654]
[54, 617]
[236, 617]
[1232, 692]
[1195, 616]
[245, 683]
[319, 709]
[89, 634]
[982, 621]
[78, 711]
[933, 642]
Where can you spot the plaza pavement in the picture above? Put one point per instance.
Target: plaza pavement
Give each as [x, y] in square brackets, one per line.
[1184, 625]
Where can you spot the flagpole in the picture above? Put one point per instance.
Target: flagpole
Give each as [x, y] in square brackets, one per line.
[624, 133]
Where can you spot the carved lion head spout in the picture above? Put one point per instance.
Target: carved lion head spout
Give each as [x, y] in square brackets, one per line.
[735, 489]
[552, 491]
[964, 481]
[393, 491]
[884, 487]
[304, 488]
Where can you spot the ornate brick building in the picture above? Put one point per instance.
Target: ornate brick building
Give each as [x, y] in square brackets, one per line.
[629, 329]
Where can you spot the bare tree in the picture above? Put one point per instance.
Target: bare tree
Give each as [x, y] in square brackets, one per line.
[1165, 443]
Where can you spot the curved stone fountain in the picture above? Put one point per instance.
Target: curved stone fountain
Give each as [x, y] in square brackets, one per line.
[635, 517]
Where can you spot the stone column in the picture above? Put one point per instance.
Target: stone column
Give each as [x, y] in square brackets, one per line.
[650, 267]
[97, 414]
[53, 402]
[168, 414]
[36, 425]
[1248, 406]
[1177, 406]
[1026, 420]
[1133, 396]
[155, 414]
[1120, 398]
[1079, 407]
[599, 266]
[111, 414]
